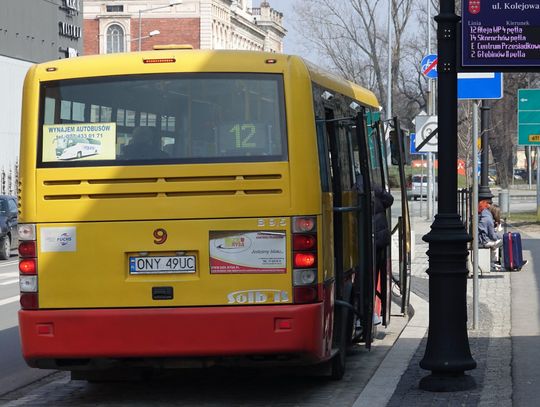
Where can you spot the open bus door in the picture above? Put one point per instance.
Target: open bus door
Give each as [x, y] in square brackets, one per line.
[398, 158]
[345, 154]
[365, 284]
[380, 175]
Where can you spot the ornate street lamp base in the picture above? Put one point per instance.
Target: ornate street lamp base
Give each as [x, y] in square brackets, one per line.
[447, 382]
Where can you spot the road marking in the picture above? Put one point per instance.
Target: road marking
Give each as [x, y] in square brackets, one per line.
[9, 263]
[9, 300]
[9, 282]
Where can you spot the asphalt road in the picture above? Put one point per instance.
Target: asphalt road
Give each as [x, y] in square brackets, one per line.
[20, 385]
[13, 370]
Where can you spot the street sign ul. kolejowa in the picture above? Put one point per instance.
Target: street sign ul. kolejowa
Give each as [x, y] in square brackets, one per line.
[500, 34]
[528, 117]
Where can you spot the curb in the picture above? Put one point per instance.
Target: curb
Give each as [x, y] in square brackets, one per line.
[383, 383]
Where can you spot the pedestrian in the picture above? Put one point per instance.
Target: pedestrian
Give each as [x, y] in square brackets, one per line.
[487, 235]
[496, 212]
[383, 200]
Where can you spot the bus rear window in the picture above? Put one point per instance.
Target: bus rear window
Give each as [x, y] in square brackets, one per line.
[162, 119]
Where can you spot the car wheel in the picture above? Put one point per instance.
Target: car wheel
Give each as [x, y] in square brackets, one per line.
[5, 248]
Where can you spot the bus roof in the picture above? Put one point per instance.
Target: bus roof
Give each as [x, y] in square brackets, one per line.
[175, 59]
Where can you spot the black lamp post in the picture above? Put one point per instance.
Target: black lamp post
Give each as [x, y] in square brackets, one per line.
[447, 353]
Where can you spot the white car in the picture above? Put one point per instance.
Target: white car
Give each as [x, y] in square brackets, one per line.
[418, 187]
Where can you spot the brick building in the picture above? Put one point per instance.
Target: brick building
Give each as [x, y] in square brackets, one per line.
[113, 25]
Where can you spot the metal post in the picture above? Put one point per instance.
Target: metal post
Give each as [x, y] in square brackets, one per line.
[537, 184]
[430, 108]
[504, 204]
[422, 158]
[447, 353]
[529, 166]
[389, 67]
[475, 197]
[140, 29]
[484, 192]
[171, 4]
[428, 188]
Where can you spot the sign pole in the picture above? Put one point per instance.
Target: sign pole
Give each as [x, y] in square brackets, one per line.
[447, 353]
[475, 198]
[484, 192]
[537, 184]
[429, 189]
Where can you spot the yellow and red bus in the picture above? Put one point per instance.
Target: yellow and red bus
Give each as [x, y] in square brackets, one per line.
[227, 214]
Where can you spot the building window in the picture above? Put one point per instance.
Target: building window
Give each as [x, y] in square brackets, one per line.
[115, 9]
[115, 39]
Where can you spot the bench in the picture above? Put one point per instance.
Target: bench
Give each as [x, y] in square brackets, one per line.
[484, 260]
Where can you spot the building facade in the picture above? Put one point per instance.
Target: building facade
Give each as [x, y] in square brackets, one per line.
[31, 31]
[126, 25]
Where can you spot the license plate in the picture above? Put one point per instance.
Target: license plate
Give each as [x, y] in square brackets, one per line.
[162, 264]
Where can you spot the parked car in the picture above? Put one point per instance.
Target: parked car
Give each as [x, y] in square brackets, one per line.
[9, 239]
[417, 187]
[520, 174]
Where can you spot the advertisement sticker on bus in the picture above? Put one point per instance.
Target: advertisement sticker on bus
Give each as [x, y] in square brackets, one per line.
[88, 141]
[247, 252]
[58, 239]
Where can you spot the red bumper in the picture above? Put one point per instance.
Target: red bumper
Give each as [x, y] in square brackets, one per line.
[173, 332]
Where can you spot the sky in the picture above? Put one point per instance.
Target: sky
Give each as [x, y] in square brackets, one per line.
[290, 41]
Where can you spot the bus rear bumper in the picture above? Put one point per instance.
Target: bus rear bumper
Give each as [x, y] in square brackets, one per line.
[173, 332]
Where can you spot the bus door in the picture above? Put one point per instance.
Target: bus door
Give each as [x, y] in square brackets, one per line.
[379, 179]
[399, 159]
[365, 284]
[353, 242]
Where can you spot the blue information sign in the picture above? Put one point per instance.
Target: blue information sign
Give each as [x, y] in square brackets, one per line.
[413, 144]
[503, 33]
[483, 85]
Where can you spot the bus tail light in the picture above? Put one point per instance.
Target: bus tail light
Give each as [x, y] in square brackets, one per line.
[27, 249]
[304, 245]
[27, 266]
[28, 284]
[304, 277]
[304, 259]
[307, 294]
[304, 242]
[29, 301]
[28, 279]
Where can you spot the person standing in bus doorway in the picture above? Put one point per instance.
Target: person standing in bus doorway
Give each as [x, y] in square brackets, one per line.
[383, 200]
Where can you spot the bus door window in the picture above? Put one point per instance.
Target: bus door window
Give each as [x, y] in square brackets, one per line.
[341, 170]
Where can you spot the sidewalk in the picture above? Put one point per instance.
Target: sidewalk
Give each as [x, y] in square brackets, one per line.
[396, 381]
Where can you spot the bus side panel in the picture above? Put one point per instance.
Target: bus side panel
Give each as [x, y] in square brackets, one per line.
[28, 148]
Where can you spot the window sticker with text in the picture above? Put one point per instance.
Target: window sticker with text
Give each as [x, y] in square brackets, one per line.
[80, 141]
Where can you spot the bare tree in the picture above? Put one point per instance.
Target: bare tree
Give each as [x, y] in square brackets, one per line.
[351, 35]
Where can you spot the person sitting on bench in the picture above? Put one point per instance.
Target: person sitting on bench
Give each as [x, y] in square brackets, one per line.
[487, 236]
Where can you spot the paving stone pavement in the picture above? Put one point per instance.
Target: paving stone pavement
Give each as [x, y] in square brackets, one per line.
[490, 344]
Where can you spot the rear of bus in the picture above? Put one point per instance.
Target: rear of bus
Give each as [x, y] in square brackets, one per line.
[194, 231]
